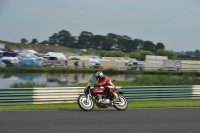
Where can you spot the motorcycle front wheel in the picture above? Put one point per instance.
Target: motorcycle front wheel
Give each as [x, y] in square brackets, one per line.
[122, 105]
[85, 104]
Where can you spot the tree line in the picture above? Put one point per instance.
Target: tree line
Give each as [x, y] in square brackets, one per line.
[111, 45]
[109, 42]
[190, 55]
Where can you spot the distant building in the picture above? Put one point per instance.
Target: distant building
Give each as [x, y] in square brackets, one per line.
[153, 62]
[113, 62]
[4, 47]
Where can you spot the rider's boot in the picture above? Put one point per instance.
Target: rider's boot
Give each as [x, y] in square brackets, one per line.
[99, 101]
[100, 98]
[116, 98]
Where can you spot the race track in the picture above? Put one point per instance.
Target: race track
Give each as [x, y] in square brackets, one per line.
[171, 120]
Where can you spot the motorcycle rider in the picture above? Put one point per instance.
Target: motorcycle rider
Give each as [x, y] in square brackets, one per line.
[107, 84]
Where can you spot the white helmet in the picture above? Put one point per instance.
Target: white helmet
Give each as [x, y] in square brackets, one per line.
[99, 75]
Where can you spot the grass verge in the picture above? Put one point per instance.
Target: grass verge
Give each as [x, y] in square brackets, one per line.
[132, 104]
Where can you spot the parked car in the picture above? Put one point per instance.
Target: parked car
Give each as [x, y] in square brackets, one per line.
[8, 63]
[135, 66]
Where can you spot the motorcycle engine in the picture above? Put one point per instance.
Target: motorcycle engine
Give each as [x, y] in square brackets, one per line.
[99, 96]
[105, 101]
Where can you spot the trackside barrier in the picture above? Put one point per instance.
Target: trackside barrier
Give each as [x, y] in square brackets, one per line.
[70, 94]
[56, 94]
[157, 92]
[39, 95]
[196, 91]
[16, 96]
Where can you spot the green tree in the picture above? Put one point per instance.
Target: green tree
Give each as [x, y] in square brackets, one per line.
[107, 44]
[197, 53]
[125, 43]
[138, 43]
[170, 54]
[113, 36]
[143, 54]
[98, 41]
[135, 55]
[190, 53]
[160, 46]
[24, 40]
[54, 39]
[115, 54]
[140, 55]
[103, 53]
[111, 40]
[149, 46]
[44, 42]
[64, 38]
[85, 40]
[34, 41]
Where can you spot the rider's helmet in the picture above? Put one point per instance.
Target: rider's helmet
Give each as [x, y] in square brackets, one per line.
[99, 75]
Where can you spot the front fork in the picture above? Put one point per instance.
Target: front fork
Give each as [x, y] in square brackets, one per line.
[87, 98]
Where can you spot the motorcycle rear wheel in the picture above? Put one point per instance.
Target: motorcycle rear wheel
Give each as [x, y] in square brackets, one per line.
[84, 104]
[123, 105]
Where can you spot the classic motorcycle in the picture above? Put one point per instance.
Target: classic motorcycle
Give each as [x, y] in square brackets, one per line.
[99, 96]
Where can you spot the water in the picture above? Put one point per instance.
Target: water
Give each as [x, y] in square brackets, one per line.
[54, 79]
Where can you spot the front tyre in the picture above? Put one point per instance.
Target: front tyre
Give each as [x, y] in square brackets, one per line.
[122, 105]
[85, 104]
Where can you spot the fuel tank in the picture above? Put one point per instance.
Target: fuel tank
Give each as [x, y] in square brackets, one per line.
[98, 90]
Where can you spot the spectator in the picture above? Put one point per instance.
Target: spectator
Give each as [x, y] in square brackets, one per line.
[76, 64]
[83, 65]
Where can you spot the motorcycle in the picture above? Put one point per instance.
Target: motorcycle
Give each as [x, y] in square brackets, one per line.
[103, 99]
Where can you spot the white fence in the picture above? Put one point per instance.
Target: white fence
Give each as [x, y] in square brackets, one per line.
[70, 94]
[56, 95]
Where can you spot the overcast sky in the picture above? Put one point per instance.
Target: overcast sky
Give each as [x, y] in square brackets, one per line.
[175, 23]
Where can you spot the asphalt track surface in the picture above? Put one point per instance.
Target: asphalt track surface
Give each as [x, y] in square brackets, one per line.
[170, 120]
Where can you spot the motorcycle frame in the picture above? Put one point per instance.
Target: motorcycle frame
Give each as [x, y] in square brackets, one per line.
[88, 89]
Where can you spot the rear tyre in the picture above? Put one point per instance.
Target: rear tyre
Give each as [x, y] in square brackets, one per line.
[85, 104]
[122, 105]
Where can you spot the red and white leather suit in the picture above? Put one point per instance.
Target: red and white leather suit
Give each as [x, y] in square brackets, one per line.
[107, 83]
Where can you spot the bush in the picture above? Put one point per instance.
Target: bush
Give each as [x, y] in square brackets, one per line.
[27, 85]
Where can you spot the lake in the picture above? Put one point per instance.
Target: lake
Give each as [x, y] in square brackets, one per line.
[54, 79]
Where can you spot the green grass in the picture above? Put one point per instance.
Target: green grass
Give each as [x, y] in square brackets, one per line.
[165, 103]
[58, 106]
[132, 104]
